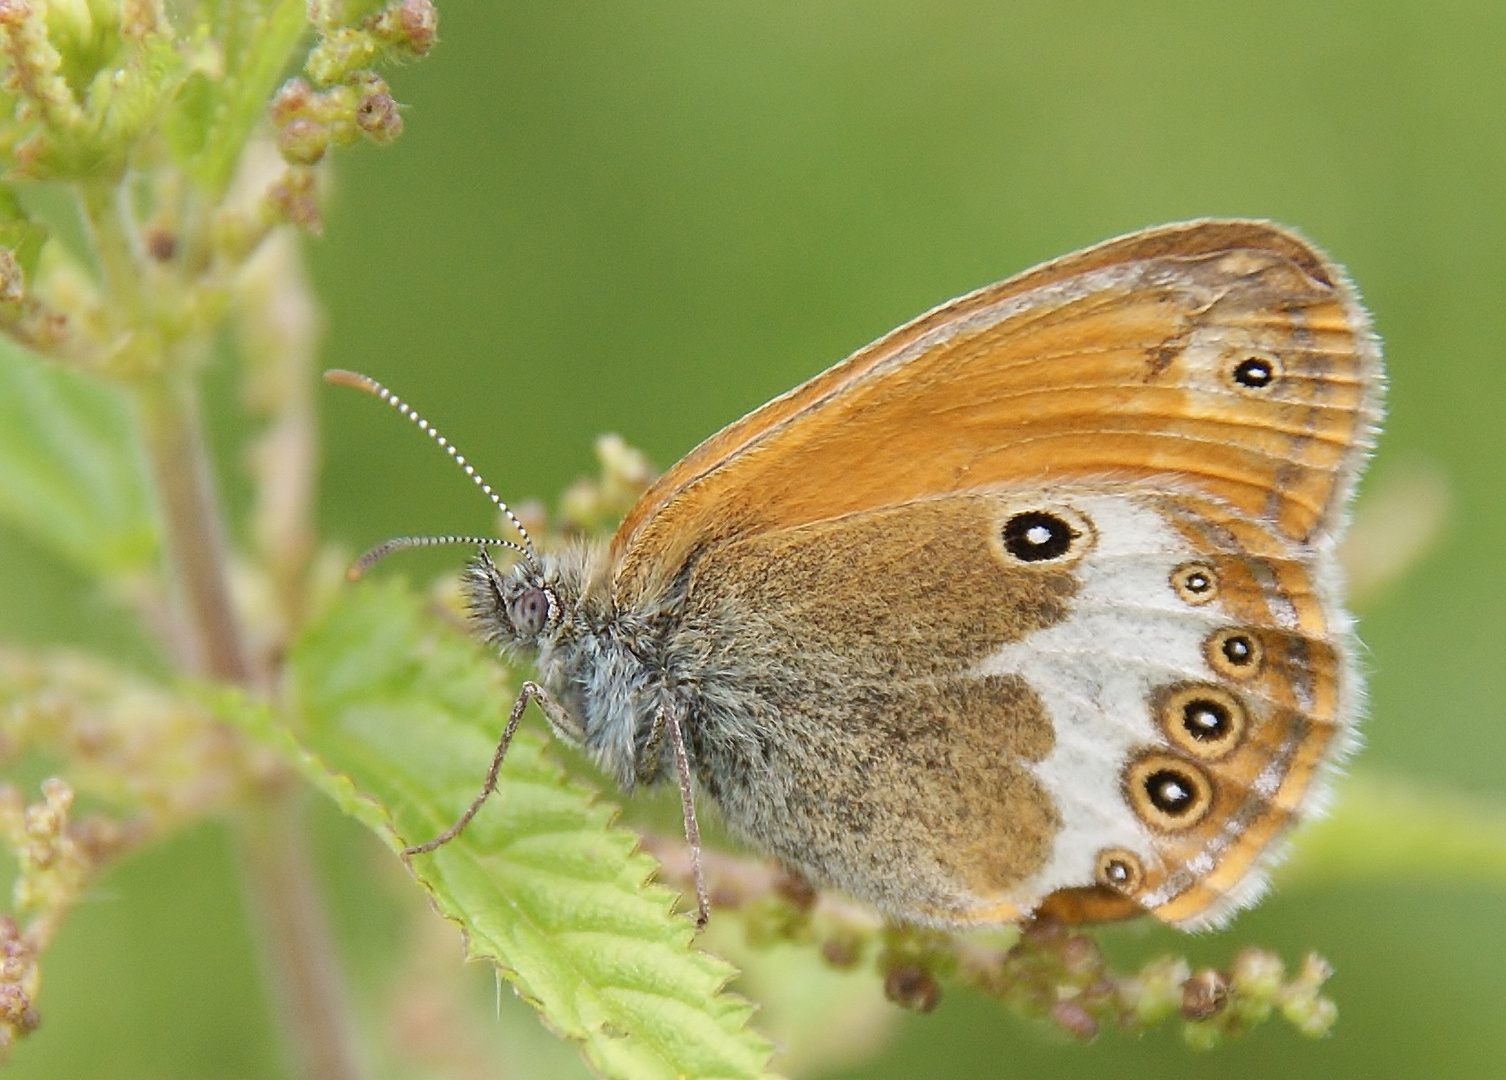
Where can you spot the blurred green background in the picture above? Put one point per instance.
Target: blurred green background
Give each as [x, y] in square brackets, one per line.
[649, 218]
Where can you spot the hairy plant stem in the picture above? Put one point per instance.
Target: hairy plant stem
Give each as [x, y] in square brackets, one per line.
[303, 977]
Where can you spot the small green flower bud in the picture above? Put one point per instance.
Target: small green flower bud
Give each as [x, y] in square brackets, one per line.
[292, 198]
[302, 141]
[843, 949]
[1257, 974]
[1202, 1035]
[1313, 1016]
[1155, 993]
[139, 18]
[12, 281]
[338, 54]
[15, 1008]
[290, 101]
[412, 25]
[1080, 959]
[13, 12]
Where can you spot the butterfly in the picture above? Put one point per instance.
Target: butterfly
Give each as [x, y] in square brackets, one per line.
[1030, 607]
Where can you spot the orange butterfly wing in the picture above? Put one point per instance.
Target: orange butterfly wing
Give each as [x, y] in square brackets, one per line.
[1219, 373]
[1117, 362]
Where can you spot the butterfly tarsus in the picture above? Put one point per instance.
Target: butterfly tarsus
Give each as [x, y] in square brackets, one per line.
[671, 723]
[530, 691]
[666, 720]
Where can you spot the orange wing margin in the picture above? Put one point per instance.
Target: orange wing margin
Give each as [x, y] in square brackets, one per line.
[1114, 362]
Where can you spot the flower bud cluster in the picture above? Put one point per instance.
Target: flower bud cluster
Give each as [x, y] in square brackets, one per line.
[402, 29]
[308, 121]
[1050, 971]
[341, 99]
[593, 505]
[1218, 1004]
[51, 872]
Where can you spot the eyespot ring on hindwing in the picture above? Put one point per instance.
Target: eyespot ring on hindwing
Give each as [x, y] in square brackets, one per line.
[1119, 870]
[1234, 652]
[1196, 583]
[1167, 792]
[1203, 720]
[1043, 535]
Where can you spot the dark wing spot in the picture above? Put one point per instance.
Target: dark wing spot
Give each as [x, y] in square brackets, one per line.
[1038, 536]
[1255, 372]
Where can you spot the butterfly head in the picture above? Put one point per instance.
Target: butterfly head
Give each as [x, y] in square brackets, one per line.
[545, 610]
[518, 609]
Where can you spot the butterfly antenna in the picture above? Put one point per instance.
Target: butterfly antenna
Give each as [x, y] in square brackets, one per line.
[398, 543]
[355, 379]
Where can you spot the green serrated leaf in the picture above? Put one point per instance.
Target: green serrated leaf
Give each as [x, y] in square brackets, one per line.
[398, 716]
[70, 472]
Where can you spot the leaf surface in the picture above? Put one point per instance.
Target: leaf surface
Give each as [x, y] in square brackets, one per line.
[71, 474]
[398, 718]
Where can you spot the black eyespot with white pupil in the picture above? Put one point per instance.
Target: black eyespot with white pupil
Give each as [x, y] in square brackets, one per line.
[1120, 870]
[1166, 791]
[1170, 792]
[1238, 650]
[530, 611]
[1255, 372]
[1206, 720]
[1196, 583]
[1037, 536]
[1235, 653]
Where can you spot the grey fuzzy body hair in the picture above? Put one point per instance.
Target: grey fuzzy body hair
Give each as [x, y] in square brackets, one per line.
[612, 670]
[822, 732]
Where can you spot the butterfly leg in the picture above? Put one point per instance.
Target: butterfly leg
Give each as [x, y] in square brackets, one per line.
[558, 717]
[671, 723]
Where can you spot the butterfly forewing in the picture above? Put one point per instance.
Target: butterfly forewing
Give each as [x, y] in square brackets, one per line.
[1120, 362]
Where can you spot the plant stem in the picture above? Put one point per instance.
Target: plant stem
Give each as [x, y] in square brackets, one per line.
[296, 948]
[303, 976]
[103, 215]
[305, 981]
[211, 641]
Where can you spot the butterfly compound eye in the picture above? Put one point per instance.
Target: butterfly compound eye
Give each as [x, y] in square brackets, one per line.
[530, 612]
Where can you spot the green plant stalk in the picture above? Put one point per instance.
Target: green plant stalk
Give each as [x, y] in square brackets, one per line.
[209, 638]
[102, 212]
[303, 976]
